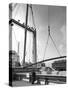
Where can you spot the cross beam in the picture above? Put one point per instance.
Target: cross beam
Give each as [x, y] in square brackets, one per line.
[21, 25]
[34, 36]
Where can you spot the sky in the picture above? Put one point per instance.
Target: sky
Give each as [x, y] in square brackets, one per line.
[44, 15]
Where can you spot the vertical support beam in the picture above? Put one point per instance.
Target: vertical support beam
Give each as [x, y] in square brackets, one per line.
[18, 51]
[34, 48]
[10, 27]
[25, 34]
[10, 46]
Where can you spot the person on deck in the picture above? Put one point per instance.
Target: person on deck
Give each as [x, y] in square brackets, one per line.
[33, 77]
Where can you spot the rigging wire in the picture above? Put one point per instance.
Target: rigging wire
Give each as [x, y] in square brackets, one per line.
[32, 16]
[49, 31]
[55, 45]
[13, 6]
[30, 48]
[16, 10]
[15, 37]
[50, 37]
[33, 20]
